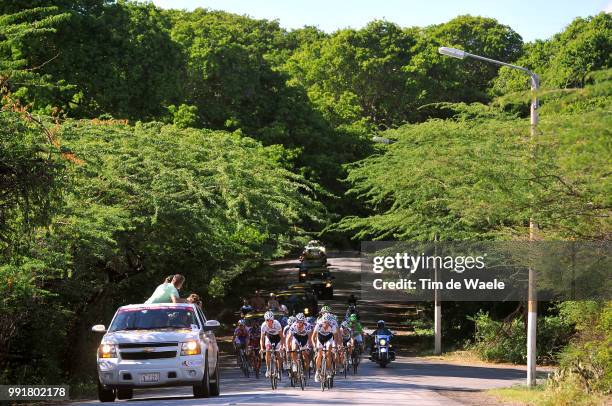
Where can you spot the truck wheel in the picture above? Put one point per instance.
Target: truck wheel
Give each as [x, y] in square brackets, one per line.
[215, 384]
[202, 389]
[105, 395]
[125, 393]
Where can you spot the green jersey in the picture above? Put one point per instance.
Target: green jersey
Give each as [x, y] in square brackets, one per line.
[356, 327]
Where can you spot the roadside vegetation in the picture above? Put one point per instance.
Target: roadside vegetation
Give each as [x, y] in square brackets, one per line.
[137, 142]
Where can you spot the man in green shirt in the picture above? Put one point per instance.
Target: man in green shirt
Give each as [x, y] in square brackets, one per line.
[168, 292]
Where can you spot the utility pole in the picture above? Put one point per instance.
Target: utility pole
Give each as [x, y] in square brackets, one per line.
[437, 306]
[532, 304]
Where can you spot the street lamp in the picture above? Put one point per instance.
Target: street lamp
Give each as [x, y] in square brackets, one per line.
[532, 303]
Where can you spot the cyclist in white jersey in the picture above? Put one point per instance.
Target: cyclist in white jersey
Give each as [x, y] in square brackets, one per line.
[324, 335]
[271, 337]
[297, 337]
[347, 340]
[326, 310]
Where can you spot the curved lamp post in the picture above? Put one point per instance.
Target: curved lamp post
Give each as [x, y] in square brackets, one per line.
[533, 304]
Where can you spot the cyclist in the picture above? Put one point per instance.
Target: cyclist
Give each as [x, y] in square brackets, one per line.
[323, 336]
[298, 334]
[347, 340]
[271, 336]
[241, 336]
[253, 347]
[357, 329]
[290, 321]
[352, 309]
[326, 310]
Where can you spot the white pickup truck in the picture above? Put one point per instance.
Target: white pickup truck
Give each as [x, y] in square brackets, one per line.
[155, 345]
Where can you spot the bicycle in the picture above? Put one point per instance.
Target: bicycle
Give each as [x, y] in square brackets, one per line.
[346, 361]
[243, 362]
[327, 380]
[299, 375]
[356, 358]
[254, 360]
[274, 369]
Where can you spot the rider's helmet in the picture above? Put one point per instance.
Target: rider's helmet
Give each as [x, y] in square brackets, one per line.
[269, 315]
[345, 324]
[300, 317]
[353, 318]
[381, 324]
[311, 320]
[290, 320]
[242, 322]
[328, 318]
[326, 309]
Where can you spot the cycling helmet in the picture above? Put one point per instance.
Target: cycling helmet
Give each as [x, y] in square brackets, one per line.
[345, 324]
[300, 317]
[241, 322]
[326, 309]
[353, 317]
[291, 320]
[311, 320]
[328, 318]
[269, 315]
[381, 324]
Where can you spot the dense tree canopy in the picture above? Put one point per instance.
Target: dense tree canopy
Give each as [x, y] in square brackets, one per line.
[136, 142]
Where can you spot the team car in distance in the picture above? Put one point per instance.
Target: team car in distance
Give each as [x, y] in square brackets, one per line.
[155, 345]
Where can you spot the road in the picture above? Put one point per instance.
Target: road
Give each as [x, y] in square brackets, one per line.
[408, 381]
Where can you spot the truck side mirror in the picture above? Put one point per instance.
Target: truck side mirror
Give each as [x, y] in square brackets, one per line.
[99, 328]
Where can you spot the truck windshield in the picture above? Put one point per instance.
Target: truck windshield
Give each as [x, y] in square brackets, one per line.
[153, 319]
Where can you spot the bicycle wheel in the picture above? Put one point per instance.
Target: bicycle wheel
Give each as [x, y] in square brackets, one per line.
[356, 359]
[273, 370]
[323, 372]
[300, 370]
[345, 363]
[245, 363]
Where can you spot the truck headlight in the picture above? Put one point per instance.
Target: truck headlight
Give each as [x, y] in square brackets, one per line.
[306, 311]
[303, 275]
[382, 341]
[190, 348]
[107, 351]
[328, 285]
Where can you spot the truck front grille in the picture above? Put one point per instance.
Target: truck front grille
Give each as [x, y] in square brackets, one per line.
[148, 355]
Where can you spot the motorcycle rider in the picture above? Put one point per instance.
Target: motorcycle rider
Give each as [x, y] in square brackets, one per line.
[246, 307]
[271, 337]
[380, 330]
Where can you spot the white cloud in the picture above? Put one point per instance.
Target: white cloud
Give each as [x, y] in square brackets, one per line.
[608, 8]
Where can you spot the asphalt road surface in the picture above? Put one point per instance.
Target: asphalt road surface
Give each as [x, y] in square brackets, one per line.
[407, 381]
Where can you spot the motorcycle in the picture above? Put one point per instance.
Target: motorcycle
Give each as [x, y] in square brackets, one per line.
[383, 352]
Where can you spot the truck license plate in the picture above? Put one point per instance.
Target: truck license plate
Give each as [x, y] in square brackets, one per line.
[150, 377]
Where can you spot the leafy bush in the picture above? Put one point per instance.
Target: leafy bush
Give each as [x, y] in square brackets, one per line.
[505, 341]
